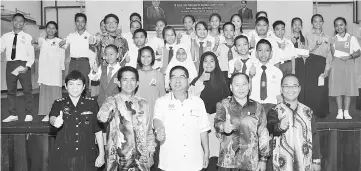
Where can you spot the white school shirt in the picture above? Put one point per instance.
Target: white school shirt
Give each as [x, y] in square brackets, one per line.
[222, 53]
[354, 45]
[129, 37]
[249, 64]
[281, 55]
[156, 43]
[24, 49]
[98, 74]
[183, 122]
[274, 76]
[79, 44]
[51, 62]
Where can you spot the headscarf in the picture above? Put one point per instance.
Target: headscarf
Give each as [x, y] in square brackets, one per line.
[188, 63]
[216, 88]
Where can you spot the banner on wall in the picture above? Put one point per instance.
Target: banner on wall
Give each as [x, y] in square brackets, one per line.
[174, 11]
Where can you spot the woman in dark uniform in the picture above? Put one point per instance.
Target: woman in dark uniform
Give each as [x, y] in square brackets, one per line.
[74, 118]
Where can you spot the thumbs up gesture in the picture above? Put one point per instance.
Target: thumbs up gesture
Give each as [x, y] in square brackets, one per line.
[59, 120]
[62, 43]
[160, 134]
[284, 121]
[227, 125]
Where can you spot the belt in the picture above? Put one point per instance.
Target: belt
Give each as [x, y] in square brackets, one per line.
[80, 59]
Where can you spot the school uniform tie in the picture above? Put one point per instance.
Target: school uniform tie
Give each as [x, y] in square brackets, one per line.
[244, 66]
[296, 44]
[170, 54]
[200, 49]
[230, 54]
[263, 83]
[13, 51]
[109, 76]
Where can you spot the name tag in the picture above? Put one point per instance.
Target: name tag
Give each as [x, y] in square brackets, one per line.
[195, 112]
[87, 113]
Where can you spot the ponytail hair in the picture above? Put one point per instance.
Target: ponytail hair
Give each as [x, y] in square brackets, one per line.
[302, 38]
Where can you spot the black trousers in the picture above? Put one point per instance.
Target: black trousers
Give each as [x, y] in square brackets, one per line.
[12, 82]
[312, 95]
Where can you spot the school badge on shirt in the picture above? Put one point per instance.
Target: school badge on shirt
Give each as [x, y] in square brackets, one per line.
[347, 44]
[153, 82]
[171, 106]
[263, 84]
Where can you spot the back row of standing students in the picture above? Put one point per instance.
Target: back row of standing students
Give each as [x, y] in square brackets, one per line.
[197, 39]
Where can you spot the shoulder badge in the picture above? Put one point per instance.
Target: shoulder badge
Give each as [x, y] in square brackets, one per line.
[89, 98]
[59, 100]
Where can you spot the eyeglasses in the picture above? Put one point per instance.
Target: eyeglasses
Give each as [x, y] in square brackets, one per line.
[182, 77]
[291, 86]
[111, 23]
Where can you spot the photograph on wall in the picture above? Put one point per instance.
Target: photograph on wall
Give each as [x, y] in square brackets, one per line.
[174, 11]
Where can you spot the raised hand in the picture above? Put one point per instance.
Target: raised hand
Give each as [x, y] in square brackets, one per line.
[59, 120]
[227, 125]
[160, 134]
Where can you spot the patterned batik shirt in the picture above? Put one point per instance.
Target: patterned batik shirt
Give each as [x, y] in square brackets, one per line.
[248, 143]
[130, 138]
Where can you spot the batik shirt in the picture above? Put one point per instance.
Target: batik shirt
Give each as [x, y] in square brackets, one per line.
[130, 139]
[248, 143]
[117, 40]
[295, 147]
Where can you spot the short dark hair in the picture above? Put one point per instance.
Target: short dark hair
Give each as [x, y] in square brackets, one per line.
[162, 20]
[135, 14]
[190, 16]
[316, 15]
[202, 23]
[278, 22]
[111, 15]
[262, 19]
[18, 15]
[264, 41]
[228, 23]
[140, 30]
[80, 15]
[237, 74]
[289, 75]
[112, 46]
[181, 68]
[74, 75]
[240, 37]
[125, 69]
[130, 25]
[140, 55]
[261, 12]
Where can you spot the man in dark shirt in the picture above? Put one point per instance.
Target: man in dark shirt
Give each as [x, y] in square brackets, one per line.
[74, 118]
[293, 126]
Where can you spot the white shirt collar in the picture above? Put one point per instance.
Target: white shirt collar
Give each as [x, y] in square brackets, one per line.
[342, 38]
[116, 67]
[172, 45]
[84, 33]
[21, 32]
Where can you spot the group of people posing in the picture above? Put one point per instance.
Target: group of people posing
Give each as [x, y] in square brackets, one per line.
[174, 101]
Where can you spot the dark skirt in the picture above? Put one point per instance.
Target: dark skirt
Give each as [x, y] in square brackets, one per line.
[312, 95]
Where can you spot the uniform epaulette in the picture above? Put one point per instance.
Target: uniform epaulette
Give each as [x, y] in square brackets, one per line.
[89, 98]
[59, 100]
